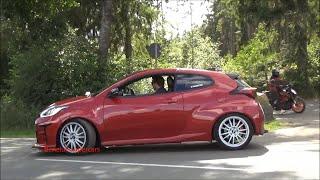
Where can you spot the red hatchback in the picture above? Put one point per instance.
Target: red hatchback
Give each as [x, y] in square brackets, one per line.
[155, 106]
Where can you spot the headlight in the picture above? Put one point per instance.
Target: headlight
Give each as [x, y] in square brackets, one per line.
[51, 110]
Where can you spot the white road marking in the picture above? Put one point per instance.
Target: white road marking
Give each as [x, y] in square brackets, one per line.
[17, 138]
[2, 147]
[142, 164]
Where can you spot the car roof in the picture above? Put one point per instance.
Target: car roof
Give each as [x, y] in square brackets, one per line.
[177, 70]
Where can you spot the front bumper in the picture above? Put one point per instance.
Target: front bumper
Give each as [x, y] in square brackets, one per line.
[41, 146]
[46, 133]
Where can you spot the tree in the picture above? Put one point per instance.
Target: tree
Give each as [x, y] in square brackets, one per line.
[255, 60]
[105, 30]
[205, 55]
[234, 23]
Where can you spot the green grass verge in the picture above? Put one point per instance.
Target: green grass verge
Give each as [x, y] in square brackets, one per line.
[25, 133]
[274, 125]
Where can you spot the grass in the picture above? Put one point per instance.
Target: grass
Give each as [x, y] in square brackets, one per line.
[25, 133]
[274, 125]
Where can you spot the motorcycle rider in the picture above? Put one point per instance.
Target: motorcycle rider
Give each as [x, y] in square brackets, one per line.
[274, 86]
[282, 96]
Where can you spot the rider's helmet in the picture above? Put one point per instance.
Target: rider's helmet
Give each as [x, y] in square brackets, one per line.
[275, 73]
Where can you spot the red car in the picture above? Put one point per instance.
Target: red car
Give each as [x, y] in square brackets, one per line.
[155, 106]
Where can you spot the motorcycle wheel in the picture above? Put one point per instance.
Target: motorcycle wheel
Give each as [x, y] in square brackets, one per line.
[299, 105]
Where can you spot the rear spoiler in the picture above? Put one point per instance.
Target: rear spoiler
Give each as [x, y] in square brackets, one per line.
[233, 76]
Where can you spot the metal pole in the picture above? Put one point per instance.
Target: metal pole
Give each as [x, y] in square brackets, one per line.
[192, 43]
[156, 53]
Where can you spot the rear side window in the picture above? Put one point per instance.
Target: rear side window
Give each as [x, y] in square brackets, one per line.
[191, 81]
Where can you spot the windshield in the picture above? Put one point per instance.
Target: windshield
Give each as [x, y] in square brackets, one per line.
[105, 87]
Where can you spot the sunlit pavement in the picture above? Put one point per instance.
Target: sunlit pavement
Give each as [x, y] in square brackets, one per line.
[288, 153]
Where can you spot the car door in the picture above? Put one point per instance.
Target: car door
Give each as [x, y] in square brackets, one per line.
[197, 94]
[143, 118]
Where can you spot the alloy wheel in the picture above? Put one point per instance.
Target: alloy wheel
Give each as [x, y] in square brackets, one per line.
[234, 131]
[73, 137]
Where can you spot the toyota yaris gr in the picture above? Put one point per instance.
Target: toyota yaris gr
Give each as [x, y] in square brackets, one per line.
[155, 106]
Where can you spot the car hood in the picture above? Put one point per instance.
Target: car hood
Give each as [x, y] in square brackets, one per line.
[72, 100]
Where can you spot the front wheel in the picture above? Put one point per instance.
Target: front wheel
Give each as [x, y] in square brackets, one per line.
[233, 132]
[299, 105]
[77, 135]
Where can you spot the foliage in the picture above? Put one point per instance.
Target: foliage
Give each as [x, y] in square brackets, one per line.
[193, 50]
[254, 61]
[16, 115]
[314, 57]
[50, 49]
[78, 66]
[47, 73]
[275, 125]
[18, 133]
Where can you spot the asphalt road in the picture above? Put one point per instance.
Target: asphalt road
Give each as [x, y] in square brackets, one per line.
[289, 153]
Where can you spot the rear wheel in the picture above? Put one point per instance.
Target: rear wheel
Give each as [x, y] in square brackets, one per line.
[233, 132]
[77, 135]
[299, 105]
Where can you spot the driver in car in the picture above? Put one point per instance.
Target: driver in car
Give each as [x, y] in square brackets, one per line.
[158, 84]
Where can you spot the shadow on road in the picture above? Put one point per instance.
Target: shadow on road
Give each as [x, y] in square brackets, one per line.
[165, 153]
[184, 154]
[178, 154]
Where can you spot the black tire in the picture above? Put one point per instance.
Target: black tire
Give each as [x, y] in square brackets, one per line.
[223, 144]
[300, 100]
[90, 133]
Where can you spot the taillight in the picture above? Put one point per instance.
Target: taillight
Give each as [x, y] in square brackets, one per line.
[248, 91]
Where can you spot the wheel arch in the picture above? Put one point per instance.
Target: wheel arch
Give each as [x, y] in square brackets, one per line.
[98, 138]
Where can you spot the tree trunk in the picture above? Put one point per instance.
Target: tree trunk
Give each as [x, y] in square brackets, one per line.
[105, 30]
[301, 43]
[301, 56]
[128, 39]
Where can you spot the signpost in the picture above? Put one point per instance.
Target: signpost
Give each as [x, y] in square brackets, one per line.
[154, 51]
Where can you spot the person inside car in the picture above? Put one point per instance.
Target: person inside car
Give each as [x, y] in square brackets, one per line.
[170, 82]
[158, 84]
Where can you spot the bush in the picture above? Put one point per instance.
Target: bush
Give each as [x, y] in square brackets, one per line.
[34, 75]
[314, 62]
[16, 115]
[51, 71]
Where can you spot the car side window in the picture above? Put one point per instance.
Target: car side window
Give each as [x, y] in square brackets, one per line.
[191, 81]
[137, 88]
[144, 86]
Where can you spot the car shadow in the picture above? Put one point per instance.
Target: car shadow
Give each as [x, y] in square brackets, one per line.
[164, 152]
[170, 154]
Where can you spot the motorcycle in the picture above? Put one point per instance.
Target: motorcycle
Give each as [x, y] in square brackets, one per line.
[288, 99]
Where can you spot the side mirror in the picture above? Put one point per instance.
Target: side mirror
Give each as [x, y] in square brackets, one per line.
[88, 94]
[113, 93]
